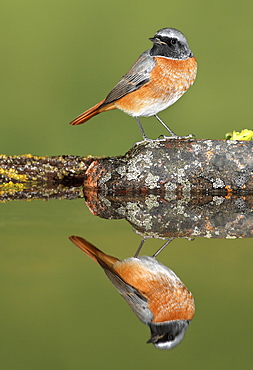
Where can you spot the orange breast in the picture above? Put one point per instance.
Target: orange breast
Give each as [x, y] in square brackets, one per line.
[168, 298]
[168, 82]
[176, 303]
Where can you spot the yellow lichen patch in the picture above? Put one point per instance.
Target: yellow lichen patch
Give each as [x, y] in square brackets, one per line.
[34, 157]
[13, 174]
[3, 156]
[10, 188]
[242, 135]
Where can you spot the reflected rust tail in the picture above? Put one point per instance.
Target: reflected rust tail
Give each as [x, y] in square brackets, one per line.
[94, 253]
[93, 111]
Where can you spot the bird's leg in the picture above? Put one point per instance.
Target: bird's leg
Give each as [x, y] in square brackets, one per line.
[140, 246]
[162, 247]
[173, 135]
[145, 138]
[156, 253]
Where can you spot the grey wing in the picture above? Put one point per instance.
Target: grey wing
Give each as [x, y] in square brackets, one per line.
[136, 77]
[135, 299]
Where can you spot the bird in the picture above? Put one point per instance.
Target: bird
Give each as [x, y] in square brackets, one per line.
[159, 77]
[153, 291]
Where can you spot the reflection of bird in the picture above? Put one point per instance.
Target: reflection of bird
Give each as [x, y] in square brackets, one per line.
[153, 291]
[159, 77]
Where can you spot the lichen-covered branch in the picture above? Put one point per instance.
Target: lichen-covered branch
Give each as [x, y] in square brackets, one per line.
[177, 165]
[28, 168]
[188, 166]
[29, 177]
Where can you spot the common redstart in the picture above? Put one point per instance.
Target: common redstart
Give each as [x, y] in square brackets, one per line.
[153, 291]
[159, 77]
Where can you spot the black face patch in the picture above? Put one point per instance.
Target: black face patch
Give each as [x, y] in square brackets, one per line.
[170, 47]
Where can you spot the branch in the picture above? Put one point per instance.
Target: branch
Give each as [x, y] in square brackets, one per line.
[182, 166]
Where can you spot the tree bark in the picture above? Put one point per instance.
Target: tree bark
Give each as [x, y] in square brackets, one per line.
[181, 166]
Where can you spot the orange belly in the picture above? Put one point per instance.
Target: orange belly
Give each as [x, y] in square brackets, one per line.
[169, 80]
[168, 298]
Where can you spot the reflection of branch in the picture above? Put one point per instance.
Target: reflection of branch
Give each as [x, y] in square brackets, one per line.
[168, 215]
[213, 166]
[22, 192]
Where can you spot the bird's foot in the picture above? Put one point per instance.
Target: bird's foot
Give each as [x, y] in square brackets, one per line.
[174, 136]
[145, 140]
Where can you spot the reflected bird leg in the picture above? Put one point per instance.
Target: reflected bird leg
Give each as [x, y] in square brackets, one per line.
[162, 247]
[159, 250]
[140, 246]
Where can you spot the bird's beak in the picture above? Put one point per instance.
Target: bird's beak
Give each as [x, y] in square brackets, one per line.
[157, 41]
[155, 338]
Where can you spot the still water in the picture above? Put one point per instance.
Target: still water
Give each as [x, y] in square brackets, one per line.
[60, 311]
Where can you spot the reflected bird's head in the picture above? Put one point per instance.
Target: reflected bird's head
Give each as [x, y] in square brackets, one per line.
[168, 335]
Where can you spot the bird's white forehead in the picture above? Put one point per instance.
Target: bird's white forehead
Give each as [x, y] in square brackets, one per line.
[171, 32]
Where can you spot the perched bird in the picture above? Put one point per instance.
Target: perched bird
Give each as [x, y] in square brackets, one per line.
[153, 291]
[159, 77]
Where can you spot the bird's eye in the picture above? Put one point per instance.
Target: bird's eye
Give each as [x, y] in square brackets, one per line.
[171, 337]
[173, 41]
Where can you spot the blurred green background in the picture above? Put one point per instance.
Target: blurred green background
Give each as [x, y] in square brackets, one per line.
[60, 57]
[58, 311]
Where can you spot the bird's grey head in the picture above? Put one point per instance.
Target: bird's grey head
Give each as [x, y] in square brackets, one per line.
[170, 43]
[168, 334]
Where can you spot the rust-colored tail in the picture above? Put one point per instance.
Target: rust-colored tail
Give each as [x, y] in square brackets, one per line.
[93, 252]
[93, 111]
